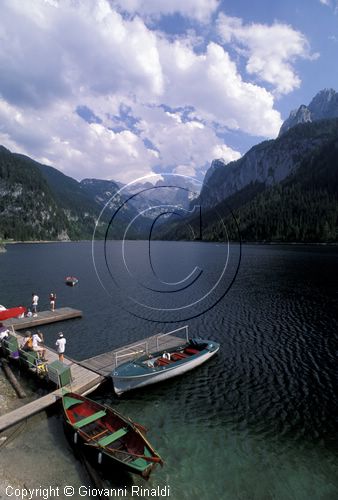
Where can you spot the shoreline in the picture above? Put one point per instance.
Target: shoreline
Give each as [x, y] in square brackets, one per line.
[286, 243]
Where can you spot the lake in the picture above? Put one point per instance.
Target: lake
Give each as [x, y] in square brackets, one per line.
[259, 421]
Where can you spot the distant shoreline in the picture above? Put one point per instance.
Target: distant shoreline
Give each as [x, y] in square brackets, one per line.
[288, 243]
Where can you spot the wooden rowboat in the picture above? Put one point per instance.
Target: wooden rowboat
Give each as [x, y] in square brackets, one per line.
[108, 437]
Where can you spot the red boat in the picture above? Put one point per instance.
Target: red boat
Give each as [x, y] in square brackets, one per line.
[13, 312]
[71, 280]
[108, 437]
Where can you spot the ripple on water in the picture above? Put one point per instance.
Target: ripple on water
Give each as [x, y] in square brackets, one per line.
[259, 421]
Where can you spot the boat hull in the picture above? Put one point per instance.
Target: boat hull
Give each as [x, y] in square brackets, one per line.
[107, 438]
[127, 383]
[12, 312]
[71, 281]
[98, 457]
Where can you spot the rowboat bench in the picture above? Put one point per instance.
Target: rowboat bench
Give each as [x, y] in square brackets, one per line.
[113, 437]
[88, 420]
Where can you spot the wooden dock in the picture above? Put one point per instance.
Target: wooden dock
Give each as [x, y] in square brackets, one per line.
[89, 373]
[83, 381]
[43, 318]
[105, 363]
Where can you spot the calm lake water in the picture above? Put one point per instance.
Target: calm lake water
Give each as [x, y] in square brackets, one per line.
[259, 421]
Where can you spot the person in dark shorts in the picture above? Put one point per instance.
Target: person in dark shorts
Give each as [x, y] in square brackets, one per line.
[52, 300]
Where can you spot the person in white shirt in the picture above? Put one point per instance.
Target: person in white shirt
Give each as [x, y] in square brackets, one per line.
[60, 346]
[35, 300]
[38, 339]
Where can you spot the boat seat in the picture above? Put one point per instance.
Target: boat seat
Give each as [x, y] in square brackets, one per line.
[71, 402]
[178, 355]
[188, 350]
[140, 463]
[163, 362]
[90, 419]
[113, 437]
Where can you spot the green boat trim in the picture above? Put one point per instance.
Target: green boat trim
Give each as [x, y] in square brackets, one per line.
[88, 420]
[112, 437]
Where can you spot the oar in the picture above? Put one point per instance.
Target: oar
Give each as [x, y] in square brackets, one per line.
[149, 459]
[150, 446]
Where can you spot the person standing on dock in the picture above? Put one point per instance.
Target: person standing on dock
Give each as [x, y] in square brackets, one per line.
[35, 300]
[52, 300]
[60, 346]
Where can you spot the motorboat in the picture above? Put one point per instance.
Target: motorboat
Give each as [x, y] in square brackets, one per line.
[149, 367]
[12, 312]
[71, 280]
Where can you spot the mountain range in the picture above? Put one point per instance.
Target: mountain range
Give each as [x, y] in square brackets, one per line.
[38, 202]
[323, 106]
[281, 190]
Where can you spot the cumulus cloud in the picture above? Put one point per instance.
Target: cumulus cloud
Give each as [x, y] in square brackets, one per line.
[195, 9]
[157, 101]
[210, 83]
[179, 141]
[270, 50]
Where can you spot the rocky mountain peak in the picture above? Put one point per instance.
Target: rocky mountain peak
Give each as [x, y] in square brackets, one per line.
[323, 106]
[215, 164]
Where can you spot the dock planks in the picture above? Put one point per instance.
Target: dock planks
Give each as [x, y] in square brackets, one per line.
[87, 374]
[43, 318]
[104, 363]
[84, 381]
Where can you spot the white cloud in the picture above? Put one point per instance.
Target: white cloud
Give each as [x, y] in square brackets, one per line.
[158, 102]
[227, 154]
[270, 50]
[190, 142]
[186, 170]
[210, 83]
[325, 2]
[200, 10]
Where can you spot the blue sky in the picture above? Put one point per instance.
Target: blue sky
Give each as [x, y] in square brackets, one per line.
[119, 89]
